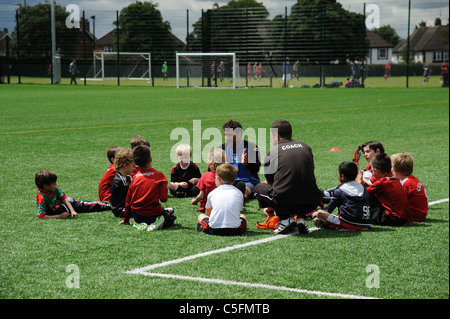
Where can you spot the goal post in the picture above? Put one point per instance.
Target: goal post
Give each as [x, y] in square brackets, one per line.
[207, 70]
[131, 65]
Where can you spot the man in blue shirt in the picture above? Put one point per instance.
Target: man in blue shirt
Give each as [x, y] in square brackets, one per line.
[243, 154]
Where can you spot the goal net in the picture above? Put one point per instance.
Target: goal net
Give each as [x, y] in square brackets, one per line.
[207, 70]
[129, 65]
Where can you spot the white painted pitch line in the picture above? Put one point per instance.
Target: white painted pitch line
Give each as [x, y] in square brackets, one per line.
[208, 253]
[438, 202]
[263, 286]
[144, 270]
[222, 250]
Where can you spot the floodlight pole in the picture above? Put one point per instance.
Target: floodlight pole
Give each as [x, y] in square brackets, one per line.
[53, 30]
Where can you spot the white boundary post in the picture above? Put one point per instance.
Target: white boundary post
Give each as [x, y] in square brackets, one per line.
[103, 66]
[178, 70]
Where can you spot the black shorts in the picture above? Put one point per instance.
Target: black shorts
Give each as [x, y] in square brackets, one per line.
[262, 194]
[169, 218]
[181, 192]
[378, 214]
[204, 227]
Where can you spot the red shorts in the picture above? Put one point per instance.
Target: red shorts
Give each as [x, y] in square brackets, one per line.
[336, 222]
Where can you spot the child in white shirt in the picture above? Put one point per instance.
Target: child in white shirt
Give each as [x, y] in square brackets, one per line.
[223, 216]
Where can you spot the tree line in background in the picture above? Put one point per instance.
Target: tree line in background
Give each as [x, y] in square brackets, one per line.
[241, 26]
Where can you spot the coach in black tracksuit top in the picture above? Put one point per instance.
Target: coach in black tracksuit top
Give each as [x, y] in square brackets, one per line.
[291, 187]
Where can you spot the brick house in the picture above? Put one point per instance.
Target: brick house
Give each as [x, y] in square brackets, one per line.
[429, 44]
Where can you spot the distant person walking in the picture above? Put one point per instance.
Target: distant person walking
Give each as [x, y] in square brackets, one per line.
[73, 69]
[387, 71]
[164, 70]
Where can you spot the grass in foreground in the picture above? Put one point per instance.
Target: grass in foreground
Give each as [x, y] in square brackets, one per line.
[66, 129]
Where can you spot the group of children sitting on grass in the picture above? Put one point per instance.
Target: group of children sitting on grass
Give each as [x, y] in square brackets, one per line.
[383, 193]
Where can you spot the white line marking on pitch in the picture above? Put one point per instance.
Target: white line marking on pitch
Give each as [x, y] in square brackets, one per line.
[208, 253]
[264, 286]
[438, 202]
[145, 270]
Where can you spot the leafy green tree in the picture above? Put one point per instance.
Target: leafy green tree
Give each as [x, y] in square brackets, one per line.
[388, 33]
[35, 32]
[142, 29]
[236, 27]
[321, 31]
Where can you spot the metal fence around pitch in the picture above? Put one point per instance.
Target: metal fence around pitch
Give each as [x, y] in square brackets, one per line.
[315, 44]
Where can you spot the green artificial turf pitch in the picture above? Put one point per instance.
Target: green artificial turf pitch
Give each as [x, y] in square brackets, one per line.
[67, 129]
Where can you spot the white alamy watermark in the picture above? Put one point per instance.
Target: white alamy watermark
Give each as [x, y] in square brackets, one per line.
[73, 19]
[373, 279]
[73, 279]
[203, 140]
[373, 16]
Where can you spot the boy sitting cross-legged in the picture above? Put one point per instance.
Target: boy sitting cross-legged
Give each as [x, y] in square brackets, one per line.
[352, 201]
[104, 187]
[388, 202]
[402, 167]
[223, 207]
[207, 184]
[185, 174]
[124, 167]
[147, 189]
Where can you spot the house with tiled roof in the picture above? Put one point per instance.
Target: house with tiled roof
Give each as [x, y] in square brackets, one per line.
[380, 50]
[429, 45]
[105, 43]
[4, 37]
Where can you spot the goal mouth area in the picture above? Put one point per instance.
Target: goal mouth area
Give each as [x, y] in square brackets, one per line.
[133, 66]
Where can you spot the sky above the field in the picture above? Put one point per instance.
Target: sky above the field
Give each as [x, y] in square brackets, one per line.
[393, 12]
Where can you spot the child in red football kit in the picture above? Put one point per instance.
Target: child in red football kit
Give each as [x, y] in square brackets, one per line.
[207, 182]
[104, 187]
[369, 150]
[147, 189]
[402, 167]
[388, 203]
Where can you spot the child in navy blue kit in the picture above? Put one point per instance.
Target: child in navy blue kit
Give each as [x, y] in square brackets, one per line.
[352, 201]
[124, 167]
[53, 203]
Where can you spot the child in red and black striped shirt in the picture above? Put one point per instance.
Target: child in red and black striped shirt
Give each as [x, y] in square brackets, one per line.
[53, 203]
